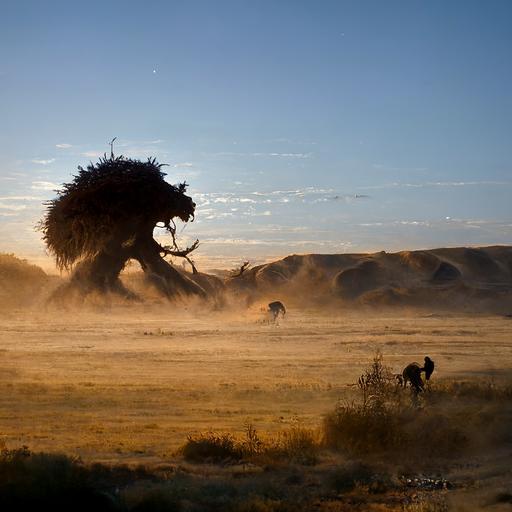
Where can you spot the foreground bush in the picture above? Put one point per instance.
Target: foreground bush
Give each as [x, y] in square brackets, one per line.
[296, 444]
[48, 482]
[212, 447]
[393, 431]
[446, 420]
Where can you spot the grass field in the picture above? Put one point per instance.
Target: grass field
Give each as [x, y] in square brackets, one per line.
[129, 384]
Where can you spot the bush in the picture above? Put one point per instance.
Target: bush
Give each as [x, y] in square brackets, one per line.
[388, 419]
[297, 444]
[212, 447]
[361, 430]
[346, 477]
[52, 482]
[20, 282]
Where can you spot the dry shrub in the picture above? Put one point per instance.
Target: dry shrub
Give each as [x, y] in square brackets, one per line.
[20, 282]
[393, 431]
[361, 429]
[476, 390]
[377, 384]
[346, 477]
[36, 481]
[212, 447]
[297, 444]
[388, 420]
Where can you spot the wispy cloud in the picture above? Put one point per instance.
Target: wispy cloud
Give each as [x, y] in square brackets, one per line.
[432, 184]
[383, 167]
[266, 154]
[183, 165]
[44, 185]
[12, 207]
[302, 195]
[63, 146]
[43, 162]
[93, 154]
[21, 198]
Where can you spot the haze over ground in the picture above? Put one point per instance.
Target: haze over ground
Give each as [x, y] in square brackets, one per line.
[333, 127]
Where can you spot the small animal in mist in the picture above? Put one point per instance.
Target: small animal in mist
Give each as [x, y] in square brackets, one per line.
[412, 374]
[275, 309]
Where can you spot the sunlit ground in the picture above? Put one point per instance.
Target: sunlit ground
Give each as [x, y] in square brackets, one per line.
[130, 384]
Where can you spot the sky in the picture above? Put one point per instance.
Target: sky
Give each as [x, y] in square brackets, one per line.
[301, 126]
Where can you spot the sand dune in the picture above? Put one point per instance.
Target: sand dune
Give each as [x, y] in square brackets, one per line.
[448, 278]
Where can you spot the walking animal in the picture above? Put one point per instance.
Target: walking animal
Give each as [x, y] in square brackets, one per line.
[412, 374]
[276, 308]
[428, 367]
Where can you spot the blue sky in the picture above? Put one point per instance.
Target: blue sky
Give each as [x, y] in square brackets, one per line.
[301, 126]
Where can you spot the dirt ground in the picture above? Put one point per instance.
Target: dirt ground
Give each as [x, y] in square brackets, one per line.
[130, 383]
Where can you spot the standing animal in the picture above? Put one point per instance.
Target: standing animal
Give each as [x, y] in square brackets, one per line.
[276, 308]
[428, 367]
[412, 374]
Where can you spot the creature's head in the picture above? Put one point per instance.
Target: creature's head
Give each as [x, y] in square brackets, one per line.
[427, 359]
[184, 206]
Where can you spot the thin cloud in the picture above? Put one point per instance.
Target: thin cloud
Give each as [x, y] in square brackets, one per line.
[183, 165]
[44, 185]
[93, 154]
[21, 198]
[261, 154]
[433, 184]
[304, 195]
[43, 162]
[63, 146]
[12, 207]
[383, 167]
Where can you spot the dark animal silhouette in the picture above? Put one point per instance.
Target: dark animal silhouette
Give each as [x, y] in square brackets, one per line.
[412, 374]
[276, 308]
[428, 367]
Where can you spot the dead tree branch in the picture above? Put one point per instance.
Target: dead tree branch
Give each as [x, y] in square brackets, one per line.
[239, 271]
[181, 253]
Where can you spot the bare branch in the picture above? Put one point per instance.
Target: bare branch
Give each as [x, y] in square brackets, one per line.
[181, 253]
[111, 143]
[239, 271]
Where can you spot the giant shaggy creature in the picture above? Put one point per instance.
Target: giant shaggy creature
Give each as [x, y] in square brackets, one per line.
[107, 215]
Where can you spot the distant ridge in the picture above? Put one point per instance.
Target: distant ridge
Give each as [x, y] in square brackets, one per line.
[446, 277]
[473, 279]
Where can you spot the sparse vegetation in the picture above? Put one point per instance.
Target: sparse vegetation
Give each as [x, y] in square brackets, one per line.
[20, 282]
[380, 448]
[296, 444]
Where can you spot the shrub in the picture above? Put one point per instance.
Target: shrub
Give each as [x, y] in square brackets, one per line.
[362, 430]
[296, 444]
[212, 447]
[52, 482]
[346, 477]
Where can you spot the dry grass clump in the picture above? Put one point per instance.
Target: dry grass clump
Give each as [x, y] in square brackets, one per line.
[476, 390]
[388, 421]
[33, 481]
[447, 420]
[212, 447]
[20, 281]
[297, 444]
